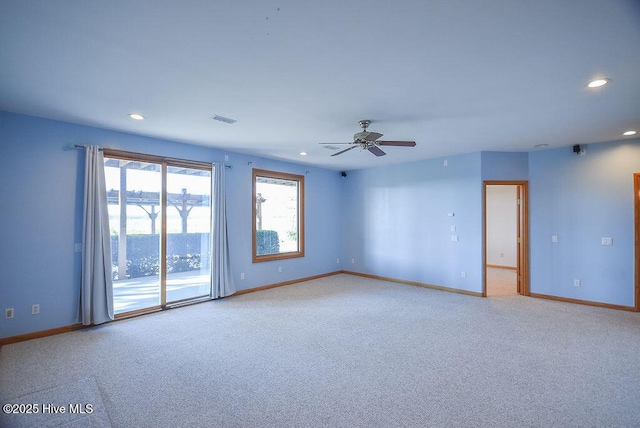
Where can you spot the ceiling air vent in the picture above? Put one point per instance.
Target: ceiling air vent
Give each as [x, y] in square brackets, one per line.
[224, 119]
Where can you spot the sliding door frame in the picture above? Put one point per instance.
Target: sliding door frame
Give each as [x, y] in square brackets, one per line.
[163, 239]
[164, 163]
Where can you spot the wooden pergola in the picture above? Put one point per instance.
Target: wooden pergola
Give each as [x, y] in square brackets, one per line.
[150, 201]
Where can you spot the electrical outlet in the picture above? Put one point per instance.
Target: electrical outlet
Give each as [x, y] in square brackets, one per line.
[463, 274]
[35, 309]
[454, 238]
[9, 313]
[279, 268]
[353, 261]
[607, 241]
[554, 238]
[241, 275]
[576, 283]
[337, 260]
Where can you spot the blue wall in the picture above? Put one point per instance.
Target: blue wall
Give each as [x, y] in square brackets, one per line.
[397, 222]
[505, 166]
[582, 199]
[41, 216]
[391, 221]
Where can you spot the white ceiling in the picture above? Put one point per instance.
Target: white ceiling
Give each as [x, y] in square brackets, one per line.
[455, 76]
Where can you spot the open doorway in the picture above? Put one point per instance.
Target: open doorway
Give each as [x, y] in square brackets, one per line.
[506, 245]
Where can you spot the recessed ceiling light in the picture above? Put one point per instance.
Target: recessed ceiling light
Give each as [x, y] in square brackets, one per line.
[598, 82]
[627, 133]
[136, 116]
[303, 153]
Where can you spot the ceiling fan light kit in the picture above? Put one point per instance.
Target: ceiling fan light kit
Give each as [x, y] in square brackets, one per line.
[369, 141]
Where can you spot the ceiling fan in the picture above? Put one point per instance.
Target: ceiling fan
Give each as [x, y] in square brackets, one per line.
[369, 141]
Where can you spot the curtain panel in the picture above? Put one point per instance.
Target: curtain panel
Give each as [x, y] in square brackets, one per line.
[222, 279]
[96, 288]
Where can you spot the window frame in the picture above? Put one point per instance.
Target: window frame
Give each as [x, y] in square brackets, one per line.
[282, 176]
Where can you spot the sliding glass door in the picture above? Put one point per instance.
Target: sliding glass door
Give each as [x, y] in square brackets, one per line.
[160, 221]
[135, 216]
[188, 269]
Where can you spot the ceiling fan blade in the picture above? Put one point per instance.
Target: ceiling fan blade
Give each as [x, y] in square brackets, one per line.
[376, 151]
[345, 150]
[397, 143]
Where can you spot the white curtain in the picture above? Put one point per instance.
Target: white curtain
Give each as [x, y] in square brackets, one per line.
[96, 291]
[223, 284]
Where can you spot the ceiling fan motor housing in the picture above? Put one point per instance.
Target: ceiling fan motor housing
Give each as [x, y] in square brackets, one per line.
[360, 136]
[364, 124]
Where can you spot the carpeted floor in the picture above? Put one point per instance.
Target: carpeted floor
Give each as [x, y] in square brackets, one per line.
[501, 282]
[76, 404]
[343, 351]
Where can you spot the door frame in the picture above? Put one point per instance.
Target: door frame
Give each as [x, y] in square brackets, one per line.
[522, 221]
[636, 204]
[164, 163]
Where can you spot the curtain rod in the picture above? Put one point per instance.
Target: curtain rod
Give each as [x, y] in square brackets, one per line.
[84, 146]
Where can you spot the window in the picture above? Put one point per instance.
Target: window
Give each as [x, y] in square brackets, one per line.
[278, 215]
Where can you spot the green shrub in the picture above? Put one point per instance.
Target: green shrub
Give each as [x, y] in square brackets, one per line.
[184, 253]
[267, 242]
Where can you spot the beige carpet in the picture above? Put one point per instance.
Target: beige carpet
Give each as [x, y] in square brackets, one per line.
[77, 404]
[340, 351]
[501, 282]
